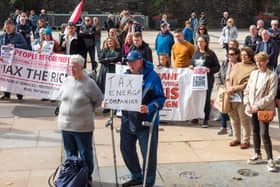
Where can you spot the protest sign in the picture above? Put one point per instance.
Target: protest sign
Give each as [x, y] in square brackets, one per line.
[7, 54]
[34, 74]
[47, 47]
[182, 103]
[123, 91]
[199, 79]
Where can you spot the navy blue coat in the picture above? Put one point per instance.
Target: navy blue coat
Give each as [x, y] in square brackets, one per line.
[16, 39]
[272, 51]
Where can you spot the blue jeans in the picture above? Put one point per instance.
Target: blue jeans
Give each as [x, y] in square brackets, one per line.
[79, 142]
[129, 154]
[224, 119]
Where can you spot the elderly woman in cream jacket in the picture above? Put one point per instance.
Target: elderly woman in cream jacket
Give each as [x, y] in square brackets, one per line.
[259, 95]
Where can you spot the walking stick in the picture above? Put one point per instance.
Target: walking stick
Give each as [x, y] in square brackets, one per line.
[151, 127]
[110, 123]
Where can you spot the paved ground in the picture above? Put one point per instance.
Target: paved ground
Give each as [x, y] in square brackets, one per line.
[30, 148]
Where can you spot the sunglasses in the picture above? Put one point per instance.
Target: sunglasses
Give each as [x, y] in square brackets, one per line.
[231, 54]
[87, 20]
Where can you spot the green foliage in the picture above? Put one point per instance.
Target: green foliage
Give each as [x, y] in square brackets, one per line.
[161, 5]
[22, 4]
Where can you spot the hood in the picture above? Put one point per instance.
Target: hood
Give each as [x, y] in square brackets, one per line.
[147, 67]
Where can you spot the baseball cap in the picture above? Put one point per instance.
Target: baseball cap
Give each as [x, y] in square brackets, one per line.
[134, 55]
[163, 25]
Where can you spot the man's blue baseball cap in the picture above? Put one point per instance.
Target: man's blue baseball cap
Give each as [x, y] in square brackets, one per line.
[134, 55]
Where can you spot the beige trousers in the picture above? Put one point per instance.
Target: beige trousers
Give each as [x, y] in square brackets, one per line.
[239, 119]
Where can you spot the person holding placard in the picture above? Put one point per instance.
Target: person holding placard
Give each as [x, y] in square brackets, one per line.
[208, 61]
[48, 45]
[132, 129]
[12, 38]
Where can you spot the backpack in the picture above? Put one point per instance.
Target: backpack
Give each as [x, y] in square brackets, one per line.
[73, 173]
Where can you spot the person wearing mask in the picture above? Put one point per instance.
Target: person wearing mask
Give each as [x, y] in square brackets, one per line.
[211, 66]
[79, 96]
[164, 40]
[182, 51]
[226, 66]
[141, 46]
[87, 34]
[229, 32]
[260, 95]
[188, 32]
[236, 82]
[13, 39]
[270, 47]
[253, 39]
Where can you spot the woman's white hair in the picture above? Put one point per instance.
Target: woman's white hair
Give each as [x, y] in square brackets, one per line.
[274, 22]
[77, 59]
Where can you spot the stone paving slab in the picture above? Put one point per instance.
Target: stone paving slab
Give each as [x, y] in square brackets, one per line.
[203, 174]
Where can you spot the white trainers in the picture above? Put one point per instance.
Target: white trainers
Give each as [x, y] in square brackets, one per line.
[271, 166]
[255, 159]
[222, 131]
[229, 131]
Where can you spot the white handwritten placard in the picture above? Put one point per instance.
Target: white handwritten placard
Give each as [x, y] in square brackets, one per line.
[123, 91]
[7, 54]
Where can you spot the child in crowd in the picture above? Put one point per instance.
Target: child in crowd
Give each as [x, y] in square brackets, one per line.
[164, 60]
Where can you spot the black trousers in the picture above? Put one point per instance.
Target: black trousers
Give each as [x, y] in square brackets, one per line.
[207, 107]
[261, 129]
[8, 94]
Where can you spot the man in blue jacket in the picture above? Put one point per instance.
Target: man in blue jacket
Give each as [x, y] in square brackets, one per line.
[14, 39]
[164, 40]
[132, 129]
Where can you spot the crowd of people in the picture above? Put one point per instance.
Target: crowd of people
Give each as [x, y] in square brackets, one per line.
[249, 74]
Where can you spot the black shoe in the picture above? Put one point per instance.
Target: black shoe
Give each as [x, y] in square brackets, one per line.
[44, 99]
[20, 98]
[106, 111]
[194, 121]
[5, 98]
[132, 183]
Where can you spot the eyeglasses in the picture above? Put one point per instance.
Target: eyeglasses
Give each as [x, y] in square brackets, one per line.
[87, 20]
[231, 54]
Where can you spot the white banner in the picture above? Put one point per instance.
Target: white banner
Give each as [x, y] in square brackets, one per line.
[34, 74]
[182, 103]
[123, 91]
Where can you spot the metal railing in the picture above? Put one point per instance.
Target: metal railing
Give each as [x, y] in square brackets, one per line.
[55, 20]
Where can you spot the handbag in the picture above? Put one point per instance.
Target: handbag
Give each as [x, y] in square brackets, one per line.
[265, 116]
[221, 102]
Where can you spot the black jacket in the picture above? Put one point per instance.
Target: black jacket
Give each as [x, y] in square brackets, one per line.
[87, 34]
[272, 51]
[252, 41]
[145, 50]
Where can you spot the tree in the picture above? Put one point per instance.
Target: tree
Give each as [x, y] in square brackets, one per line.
[161, 5]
